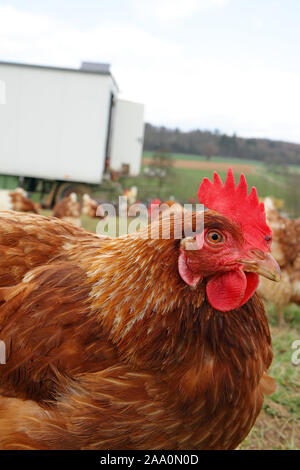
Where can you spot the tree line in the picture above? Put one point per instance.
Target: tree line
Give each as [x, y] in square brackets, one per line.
[209, 144]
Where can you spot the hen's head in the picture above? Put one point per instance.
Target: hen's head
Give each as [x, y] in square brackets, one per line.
[234, 246]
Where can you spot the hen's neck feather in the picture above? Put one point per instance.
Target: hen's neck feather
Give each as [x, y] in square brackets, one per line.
[157, 321]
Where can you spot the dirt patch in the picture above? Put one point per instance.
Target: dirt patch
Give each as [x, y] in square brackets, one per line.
[204, 165]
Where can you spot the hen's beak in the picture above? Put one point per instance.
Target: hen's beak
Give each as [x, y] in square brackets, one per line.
[263, 264]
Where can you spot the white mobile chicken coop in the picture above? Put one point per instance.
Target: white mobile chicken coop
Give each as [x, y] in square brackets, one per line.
[67, 125]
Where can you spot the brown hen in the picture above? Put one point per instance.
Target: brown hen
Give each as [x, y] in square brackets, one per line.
[118, 344]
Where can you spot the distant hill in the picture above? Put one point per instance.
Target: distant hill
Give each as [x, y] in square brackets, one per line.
[203, 142]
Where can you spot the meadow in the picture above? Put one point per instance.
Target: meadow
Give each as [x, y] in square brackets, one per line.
[278, 425]
[182, 183]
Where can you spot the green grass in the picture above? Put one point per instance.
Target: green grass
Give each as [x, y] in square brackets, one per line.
[111, 225]
[89, 223]
[8, 182]
[279, 422]
[185, 182]
[185, 156]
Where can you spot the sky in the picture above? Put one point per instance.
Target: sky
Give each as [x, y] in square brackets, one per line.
[231, 65]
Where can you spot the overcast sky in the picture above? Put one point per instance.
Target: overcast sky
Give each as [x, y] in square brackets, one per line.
[226, 64]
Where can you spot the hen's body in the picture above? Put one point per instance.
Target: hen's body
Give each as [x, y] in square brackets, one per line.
[107, 347]
[16, 200]
[68, 209]
[90, 206]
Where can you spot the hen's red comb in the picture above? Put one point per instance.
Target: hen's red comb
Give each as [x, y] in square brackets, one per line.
[235, 203]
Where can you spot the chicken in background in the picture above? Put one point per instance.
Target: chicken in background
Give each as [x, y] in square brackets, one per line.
[154, 204]
[91, 207]
[286, 250]
[68, 209]
[157, 208]
[131, 195]
[173, 205]
[136, 342]
[16, 200]
[133, 206]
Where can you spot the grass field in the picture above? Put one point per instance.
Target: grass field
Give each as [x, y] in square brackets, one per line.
[278, 426]
[185, 156]
[189, 170]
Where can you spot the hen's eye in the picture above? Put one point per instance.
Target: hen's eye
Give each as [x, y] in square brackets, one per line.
[214, 237]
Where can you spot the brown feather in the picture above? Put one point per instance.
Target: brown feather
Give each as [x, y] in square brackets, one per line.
[109, 349]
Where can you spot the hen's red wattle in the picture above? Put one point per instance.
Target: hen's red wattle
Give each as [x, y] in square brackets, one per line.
[231, 290]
